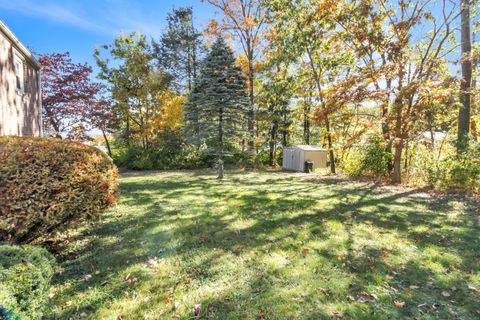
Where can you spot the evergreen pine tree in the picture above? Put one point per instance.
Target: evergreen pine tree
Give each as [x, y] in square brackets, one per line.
[219, 102]
[191, 111]
[179, 48]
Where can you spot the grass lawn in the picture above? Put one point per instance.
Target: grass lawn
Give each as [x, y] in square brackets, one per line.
[271, 246]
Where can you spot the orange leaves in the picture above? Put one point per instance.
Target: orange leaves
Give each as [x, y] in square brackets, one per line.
[326, 7]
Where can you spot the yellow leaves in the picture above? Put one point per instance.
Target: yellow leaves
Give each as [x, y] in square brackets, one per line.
[242, 61]
[172, 112]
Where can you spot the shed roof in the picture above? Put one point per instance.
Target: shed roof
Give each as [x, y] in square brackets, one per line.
[20, 47]
[306, 147]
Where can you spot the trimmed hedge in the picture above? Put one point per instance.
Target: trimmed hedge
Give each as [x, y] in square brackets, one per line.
[25, 275]
[48, 183]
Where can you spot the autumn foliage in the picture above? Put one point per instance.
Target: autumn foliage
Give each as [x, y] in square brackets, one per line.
[48, 183]
[68, 96]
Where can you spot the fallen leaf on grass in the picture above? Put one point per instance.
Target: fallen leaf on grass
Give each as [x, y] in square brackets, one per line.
[366, 297]
[472, 288]
[152, 263]
[197, 310]
[399, 303]
[129, 280]
[168, 299]
[262, 314]
[305, 250]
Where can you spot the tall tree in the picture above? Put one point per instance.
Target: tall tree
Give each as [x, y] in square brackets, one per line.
[135, 86]
[304, 30]
[104, 117]
[179, 48]
[68, 95]
[402, 49]
[276, 91]
[222, 100]
[466, 82]
[245, 20]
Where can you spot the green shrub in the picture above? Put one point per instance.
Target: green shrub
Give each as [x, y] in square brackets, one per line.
[49, 183]
[352, 164]
[461, 172]
[138, 158]
[375, 157]
[262, 159]
[371, 159]
[25, 275]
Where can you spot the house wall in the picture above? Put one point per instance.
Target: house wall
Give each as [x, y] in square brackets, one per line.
[19, 113]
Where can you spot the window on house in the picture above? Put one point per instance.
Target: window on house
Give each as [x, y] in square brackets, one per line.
[19, 74]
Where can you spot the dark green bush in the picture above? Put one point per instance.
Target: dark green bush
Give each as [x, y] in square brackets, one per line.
[154, 158]
[49, 183]
[25, 275]
[138, 158]
[262, 159]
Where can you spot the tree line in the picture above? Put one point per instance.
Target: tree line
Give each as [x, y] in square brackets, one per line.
[265, 74]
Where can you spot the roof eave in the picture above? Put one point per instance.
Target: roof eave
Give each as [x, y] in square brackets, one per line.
[19, 46]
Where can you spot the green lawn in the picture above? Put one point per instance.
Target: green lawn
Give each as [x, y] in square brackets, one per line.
[271, 246]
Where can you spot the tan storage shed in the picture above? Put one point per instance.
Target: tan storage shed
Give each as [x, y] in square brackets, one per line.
[294, 157]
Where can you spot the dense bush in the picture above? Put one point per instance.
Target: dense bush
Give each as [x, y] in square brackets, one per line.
[262, 159]
[460, 172]
[138, 158]
[48, 183]
[370, 159]
[25, 274]
[184, 157]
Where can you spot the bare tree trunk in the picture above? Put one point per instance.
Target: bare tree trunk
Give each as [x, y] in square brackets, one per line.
[220, 145]
[397, 177]
[466, 61]
[105, 138]
[251, 111]
[327, 121]
[398, 142]
[386, 129]
[306, 119]
[284, 128]
[272, 142]
[330, 146]
[473, 98]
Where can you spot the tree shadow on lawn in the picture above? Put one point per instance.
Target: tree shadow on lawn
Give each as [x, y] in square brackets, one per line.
[283, 220]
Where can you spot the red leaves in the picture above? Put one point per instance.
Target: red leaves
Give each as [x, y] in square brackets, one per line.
[67, 93]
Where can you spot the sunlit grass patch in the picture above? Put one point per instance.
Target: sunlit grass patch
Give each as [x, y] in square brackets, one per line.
[272, 246]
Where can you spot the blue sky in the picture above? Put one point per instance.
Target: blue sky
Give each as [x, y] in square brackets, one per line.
[78, 26]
